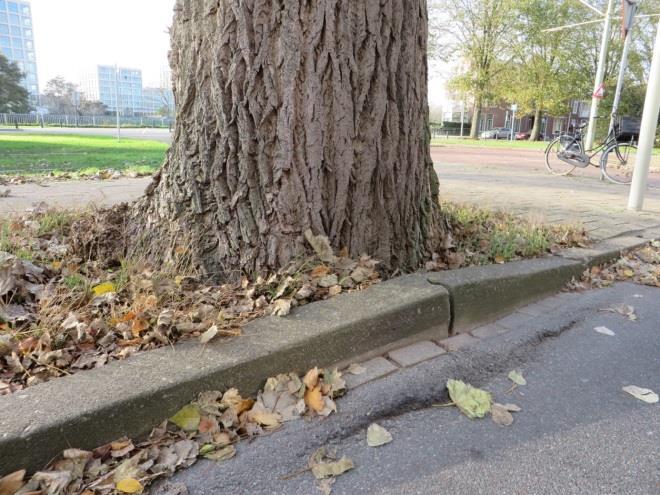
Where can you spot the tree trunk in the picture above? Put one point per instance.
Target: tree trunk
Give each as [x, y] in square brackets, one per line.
[294, 115]
[476, 115]
[536, 128]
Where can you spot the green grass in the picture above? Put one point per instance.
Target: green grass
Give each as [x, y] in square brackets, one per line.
[28, 154]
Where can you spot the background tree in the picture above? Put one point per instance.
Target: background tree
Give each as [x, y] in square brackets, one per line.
[14, 98]
[61, 97]
[91, 107]
[294, 116]
[544, 72]
[473, 31]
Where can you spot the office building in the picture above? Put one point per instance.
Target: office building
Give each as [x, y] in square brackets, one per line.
[17, 41]
[115, 86]
[157, 101]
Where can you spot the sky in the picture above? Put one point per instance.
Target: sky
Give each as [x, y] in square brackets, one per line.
[73, 36]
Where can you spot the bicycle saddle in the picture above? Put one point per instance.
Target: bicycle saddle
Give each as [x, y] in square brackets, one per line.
[582, 125]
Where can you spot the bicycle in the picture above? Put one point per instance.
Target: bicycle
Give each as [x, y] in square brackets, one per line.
[566, 153]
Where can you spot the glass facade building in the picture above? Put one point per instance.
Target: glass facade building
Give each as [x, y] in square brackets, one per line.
[116, 86]
[17, 40]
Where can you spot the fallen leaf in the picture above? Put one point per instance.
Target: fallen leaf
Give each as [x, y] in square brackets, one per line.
[377, 436]
[517, 378]
[323, 464]
[265, 418]
[511, 407]
[104, 288]
[314, 399]
[321, 246]
[473, 402]
[130, 485]
[138, 326]
[356, 369]
[605, 331]
[207, 336]
[501, 415]
[221, 454]
[187, 418]
[643, 394]
[281, 307]
[11, 483]
[311, 378]
[325, 485]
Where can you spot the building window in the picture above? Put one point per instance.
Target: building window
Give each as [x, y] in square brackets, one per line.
[15, 30]
[27, 22]
[27, 33]
[3, 5]
[19, 54]
[13, 7]
[4, 41]
[6, 51]
[26, 10]
[3, 17]
[14, 19]
[4, 29]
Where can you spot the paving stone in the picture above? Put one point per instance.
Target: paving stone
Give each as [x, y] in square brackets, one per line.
[491, 330]
[416, 353]
[375, 368]
[458, 342]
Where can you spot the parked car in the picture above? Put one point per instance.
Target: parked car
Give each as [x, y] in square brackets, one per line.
[497, 133]
[526, 135]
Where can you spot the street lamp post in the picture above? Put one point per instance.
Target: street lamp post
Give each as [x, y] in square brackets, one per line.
[647, 132]
[600, 76]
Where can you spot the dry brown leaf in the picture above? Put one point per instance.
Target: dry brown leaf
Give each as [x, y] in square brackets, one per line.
[501, 415]
[11, 483]
[314, 399]
[311, 379]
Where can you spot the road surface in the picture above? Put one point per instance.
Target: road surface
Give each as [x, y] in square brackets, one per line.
[578, 432]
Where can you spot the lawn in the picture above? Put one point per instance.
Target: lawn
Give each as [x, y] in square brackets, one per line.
[28, 154]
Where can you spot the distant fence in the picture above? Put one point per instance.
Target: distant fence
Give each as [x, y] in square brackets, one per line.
[441, 131]
[50, 120]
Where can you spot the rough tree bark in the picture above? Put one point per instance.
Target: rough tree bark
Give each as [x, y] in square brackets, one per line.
[295, 115]
[476, 116]
[535, 133]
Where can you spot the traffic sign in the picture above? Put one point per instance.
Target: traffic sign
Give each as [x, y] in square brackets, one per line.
[600, 92]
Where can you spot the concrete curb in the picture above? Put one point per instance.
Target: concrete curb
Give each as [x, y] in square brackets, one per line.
[604, 252]
[483, 293]
[129, 397]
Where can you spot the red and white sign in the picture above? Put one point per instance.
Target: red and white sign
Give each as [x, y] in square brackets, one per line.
[600, 92]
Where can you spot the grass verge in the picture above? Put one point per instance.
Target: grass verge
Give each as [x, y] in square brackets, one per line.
[29, 154]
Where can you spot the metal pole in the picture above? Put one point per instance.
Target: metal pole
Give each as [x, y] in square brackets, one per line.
[600, 75]
[622, 72]
[513, 126]
[117, 100]
[647, 133]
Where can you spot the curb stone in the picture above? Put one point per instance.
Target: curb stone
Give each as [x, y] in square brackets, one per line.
[127, 398]
[603, 252]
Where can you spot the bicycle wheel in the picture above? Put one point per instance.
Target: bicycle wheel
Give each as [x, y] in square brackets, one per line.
[618, 161]
[553, 162]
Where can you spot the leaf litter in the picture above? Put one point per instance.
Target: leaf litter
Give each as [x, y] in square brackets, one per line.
[377, 435]
[643, 394]
[210, 427]
[641, 266]
[69, 302]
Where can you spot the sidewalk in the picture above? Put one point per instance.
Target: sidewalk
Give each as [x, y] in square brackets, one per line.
[528, 190]
[68, 194]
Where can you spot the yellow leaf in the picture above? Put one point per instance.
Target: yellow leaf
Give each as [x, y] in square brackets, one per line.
[629, 273]
[104, 288]
[499, 260]
[56, 265]
[130, 485]
[314, 399]
[187, 418]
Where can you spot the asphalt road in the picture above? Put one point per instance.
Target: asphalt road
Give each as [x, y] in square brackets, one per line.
[578, 432]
